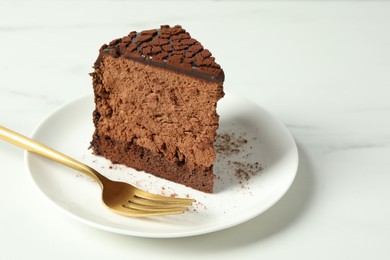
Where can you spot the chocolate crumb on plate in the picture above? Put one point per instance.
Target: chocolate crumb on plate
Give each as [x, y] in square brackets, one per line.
[235, 160]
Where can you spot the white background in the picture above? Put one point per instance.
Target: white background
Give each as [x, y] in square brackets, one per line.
[322, 68]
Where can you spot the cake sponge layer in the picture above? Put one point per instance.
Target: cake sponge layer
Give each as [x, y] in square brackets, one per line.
[141, 159]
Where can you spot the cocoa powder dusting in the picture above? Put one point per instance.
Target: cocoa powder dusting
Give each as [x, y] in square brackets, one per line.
[244, 171]
[233, 149]
[228, 143]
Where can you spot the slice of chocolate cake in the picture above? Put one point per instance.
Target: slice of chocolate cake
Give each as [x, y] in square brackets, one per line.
[156, 93]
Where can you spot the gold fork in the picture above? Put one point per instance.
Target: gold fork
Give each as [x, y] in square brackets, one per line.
[120, 197]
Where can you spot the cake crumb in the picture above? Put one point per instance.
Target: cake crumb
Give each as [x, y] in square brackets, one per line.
[244, 171]
[234, 151]
[198, 206]
[168, 192]
[229, 144]
[173, 195]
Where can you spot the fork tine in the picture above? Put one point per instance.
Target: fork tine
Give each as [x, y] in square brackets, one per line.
[146, 195]
[158, 203]
[145, 213]
[149, 208]
[125, 210]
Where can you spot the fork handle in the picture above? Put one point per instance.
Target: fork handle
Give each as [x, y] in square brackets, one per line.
[45, 151]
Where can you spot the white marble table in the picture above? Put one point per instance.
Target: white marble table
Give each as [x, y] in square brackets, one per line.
[322, 68]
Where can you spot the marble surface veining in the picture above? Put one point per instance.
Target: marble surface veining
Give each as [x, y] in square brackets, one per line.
[322, 68]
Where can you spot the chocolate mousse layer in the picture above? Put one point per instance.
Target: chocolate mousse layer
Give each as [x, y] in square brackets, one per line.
[156, 94]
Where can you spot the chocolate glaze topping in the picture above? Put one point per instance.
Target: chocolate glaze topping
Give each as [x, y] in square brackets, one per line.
[168, 47]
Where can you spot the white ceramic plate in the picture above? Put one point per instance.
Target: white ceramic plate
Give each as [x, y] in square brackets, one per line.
[242, 190]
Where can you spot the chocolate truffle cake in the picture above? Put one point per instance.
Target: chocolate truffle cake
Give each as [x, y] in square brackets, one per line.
[156, 93]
